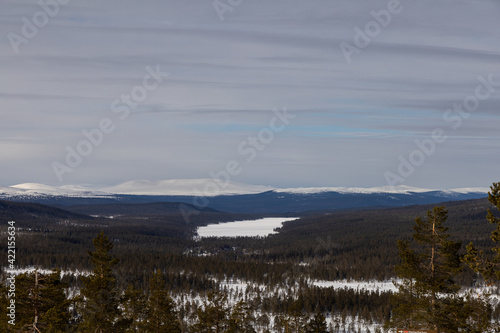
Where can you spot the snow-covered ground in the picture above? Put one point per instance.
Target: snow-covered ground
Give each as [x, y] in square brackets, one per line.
[44, 271]
[357, 285]
[249, 228]
[239, 289]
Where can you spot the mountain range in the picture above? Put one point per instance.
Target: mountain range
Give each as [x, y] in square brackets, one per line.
[203, 187]
[236, 197]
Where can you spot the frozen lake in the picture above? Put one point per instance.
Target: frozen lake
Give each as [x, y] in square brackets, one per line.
[250, 228]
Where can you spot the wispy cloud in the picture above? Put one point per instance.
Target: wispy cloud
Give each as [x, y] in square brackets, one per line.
[353, 120]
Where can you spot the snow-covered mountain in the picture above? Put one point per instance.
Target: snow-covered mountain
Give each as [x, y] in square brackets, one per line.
[400, 189]
[36, 190]
[236, 197]
[205, 188]
[190, 187]
[174, 187]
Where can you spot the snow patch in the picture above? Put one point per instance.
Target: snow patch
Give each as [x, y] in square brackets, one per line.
[380, 286]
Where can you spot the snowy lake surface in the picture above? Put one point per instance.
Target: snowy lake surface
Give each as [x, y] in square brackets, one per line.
[249, 228]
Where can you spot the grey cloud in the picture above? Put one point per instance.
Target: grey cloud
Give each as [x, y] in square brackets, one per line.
[265, 55]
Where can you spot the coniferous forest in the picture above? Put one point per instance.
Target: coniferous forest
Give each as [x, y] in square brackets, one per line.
[145, 272]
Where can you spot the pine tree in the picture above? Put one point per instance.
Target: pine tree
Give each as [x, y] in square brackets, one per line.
[480, 310]
[99, 297]
[428, 293]
[241, 319]
[264, 321]
[160, 315]
[134, 308]
[281, 324]
[41, 303]
[5, 327]
[56, 318]
[295, 316]
[317, 324]
[213, 318]
[407, 311]
[488, 268]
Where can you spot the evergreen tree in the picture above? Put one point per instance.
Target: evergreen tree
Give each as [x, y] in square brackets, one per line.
[281, 324]
[317, 324]
[161, 316]
[427, 298]
[41, 303]
[134, 308]
[213, 318]
[488, 268]
[57, 317]
[479, 309]
[295, 316]
[407, 310]
[241, 319]
[5, 327]
[264, 321]
[99, 297]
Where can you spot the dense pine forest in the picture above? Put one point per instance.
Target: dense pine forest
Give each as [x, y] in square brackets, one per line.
[141, 268]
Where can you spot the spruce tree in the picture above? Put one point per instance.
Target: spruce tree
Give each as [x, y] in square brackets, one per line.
[161, 316]
[488, 268]
[213, 317]
[317, 324]
[295, 316]
[264, 321]
[407, 311]
[5, 327]
[281, 324]
[134, 308]
[241, 319]
[99, 305]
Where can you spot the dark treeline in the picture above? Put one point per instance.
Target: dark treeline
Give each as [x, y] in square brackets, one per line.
[338, 245]
[43, 303]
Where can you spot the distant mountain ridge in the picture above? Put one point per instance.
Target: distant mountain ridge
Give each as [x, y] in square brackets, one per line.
[203, 187]
[236, 197]
[400, 189]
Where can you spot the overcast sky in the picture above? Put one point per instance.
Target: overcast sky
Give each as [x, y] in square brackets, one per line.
[355, 103]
